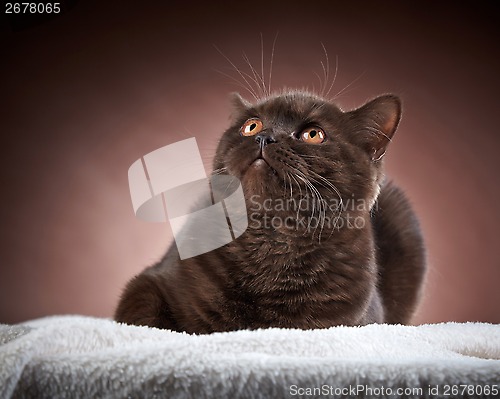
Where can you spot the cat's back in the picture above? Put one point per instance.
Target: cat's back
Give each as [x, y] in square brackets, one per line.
[400, 253]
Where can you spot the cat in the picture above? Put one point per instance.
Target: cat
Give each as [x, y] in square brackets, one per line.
[329, 241]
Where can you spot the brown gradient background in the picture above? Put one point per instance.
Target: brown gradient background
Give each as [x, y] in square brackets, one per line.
[87, 93]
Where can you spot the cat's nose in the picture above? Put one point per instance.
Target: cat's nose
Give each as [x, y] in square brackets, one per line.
[264, 139]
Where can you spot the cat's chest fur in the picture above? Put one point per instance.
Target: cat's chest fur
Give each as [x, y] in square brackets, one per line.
[295, 282]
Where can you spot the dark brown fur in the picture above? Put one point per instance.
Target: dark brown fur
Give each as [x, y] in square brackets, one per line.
[300, 277]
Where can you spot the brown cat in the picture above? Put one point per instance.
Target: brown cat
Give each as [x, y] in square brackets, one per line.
[329, 241]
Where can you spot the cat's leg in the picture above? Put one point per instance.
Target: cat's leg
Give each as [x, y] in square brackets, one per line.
[143, 303]
[400, 255]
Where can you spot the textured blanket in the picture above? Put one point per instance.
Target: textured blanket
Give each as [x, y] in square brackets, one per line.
[81, 357]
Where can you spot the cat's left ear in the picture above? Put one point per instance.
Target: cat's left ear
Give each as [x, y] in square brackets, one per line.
[378, 120]
[239, 104]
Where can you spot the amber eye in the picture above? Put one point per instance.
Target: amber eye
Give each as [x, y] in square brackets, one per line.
[313, 135]
[251, 127]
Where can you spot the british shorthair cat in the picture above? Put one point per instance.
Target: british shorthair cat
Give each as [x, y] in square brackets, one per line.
[329, 241]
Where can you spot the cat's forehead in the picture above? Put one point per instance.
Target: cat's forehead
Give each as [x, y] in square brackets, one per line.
[296, 107]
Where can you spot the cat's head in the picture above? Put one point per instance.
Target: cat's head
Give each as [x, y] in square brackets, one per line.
[296, 144]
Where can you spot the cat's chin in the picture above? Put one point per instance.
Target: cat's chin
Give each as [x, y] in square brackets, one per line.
[259, 164]
[259, 169]
[260, 179]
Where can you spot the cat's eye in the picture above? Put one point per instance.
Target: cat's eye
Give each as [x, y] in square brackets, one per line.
[313, 135]
[251, 127]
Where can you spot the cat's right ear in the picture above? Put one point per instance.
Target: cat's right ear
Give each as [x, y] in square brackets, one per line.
[239, 105]
[377, 122]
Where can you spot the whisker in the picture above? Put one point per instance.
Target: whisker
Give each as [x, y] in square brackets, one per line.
[329, 185]
[334, 76]
[325, 77]
[256, 77]
[349, 85]
[262, 58]
[237, 82]
[298, 185]
[307, 184]
[271, 64]
[291, 187]
[320, 82]
[327, 72]
[321, 203]
[236, 68]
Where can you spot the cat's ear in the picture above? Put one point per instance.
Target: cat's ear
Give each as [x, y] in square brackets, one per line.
[239, 105]
[379, 119]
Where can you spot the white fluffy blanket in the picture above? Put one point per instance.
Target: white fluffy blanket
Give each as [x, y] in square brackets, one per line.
[82, 357]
